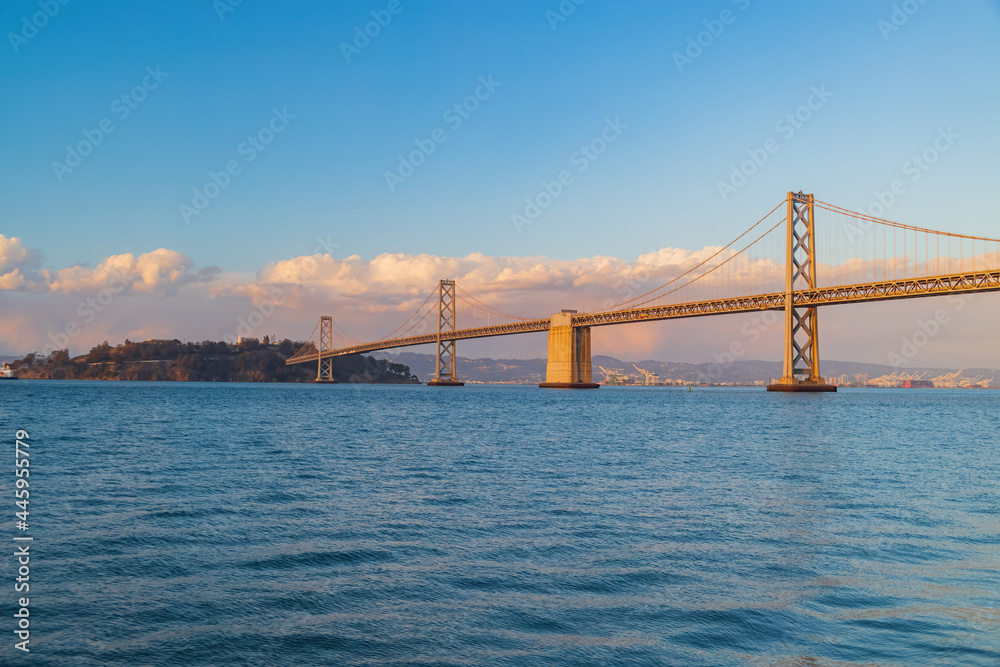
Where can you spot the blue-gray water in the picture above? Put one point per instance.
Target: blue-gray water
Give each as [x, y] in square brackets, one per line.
[203, 524]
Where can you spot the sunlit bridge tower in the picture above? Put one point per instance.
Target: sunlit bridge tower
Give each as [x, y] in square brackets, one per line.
[324, 367]
[801, 358]
[444, 375]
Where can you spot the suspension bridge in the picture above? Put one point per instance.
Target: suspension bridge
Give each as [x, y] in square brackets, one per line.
[801, 255]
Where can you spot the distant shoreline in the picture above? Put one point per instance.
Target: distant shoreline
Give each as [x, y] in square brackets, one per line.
[475, 383]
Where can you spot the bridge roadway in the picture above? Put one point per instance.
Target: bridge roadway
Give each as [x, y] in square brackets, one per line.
[907, 288]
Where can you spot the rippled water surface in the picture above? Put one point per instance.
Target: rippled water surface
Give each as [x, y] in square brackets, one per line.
[204, 524]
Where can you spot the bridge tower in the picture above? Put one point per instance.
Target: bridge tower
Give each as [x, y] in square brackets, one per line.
[444, 374]
[569, 365]
[801, 358]
[324, 367]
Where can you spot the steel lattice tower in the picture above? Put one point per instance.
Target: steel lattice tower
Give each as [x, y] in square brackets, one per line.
[324, 367]
[801, 359]
[444, 373]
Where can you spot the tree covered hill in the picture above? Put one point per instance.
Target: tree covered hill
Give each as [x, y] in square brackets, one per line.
[249, 360]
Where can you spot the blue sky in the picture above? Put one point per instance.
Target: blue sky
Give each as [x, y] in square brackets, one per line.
[559, 82]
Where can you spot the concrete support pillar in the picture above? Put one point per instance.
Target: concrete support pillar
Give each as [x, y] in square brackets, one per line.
[569, 365]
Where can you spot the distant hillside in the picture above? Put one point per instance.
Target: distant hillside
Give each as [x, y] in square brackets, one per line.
[532, 371]
[513, 371]
[254, 361]
[208, 361]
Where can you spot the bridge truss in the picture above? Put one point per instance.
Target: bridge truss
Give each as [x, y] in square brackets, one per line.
[886, 256]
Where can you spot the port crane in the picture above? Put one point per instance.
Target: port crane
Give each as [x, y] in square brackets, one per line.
[612, 377]
[974, 382]
[649, 379]
[948, 379]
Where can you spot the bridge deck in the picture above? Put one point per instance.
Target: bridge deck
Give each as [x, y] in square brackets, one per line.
[907, 288]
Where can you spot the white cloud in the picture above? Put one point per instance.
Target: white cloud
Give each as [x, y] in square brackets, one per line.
[158, 273]
[14, 254]
[391, 276]
[18, 264]
[164, 295]
[12, 280]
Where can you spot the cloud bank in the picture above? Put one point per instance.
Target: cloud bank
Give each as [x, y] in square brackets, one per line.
[161, 294]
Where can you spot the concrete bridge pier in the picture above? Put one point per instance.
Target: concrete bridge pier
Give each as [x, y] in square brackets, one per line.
[569, 355]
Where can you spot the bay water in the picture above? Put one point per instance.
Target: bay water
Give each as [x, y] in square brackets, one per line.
[250, 524]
